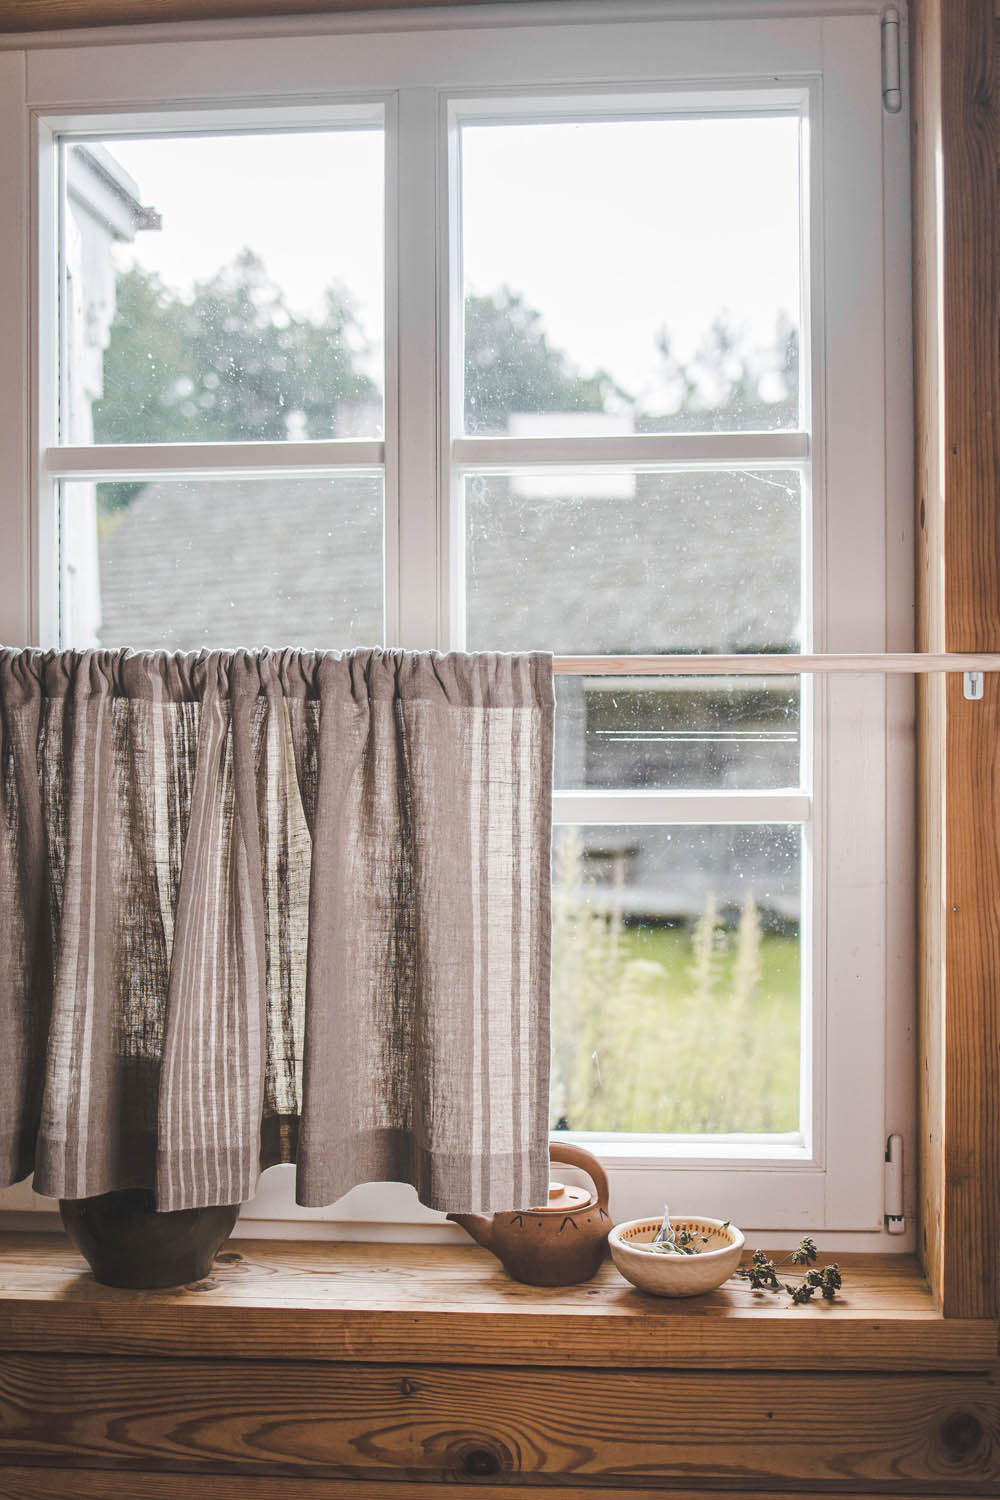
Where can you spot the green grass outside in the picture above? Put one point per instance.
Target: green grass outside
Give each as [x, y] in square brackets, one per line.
[672, 1029]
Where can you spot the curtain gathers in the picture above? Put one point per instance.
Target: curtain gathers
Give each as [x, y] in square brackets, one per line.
[275, 906]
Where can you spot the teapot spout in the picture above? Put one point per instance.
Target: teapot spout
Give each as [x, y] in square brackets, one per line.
[481, 1229]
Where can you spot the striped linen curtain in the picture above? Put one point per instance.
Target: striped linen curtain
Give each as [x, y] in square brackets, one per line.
[275, 906]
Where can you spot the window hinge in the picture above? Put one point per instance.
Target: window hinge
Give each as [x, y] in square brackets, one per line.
[894, 1221]
[892, 94]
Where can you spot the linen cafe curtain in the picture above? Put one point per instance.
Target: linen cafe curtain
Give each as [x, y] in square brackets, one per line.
[275, 906]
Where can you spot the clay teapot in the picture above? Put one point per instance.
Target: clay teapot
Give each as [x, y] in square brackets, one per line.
[562, 1242]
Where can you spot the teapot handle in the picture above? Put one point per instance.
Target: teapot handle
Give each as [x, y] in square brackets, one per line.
[576, 1156]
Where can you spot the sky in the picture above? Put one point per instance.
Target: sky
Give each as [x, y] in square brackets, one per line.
[612, 230]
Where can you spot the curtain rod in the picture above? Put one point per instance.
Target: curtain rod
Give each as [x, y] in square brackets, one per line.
[775, 664]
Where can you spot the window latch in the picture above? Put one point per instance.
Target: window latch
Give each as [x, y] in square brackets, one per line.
[892, 93]
[894, 1220]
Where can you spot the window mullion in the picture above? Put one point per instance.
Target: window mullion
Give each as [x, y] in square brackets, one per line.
[414, 477]
[612, 807]
[718, 449]
[112, 461]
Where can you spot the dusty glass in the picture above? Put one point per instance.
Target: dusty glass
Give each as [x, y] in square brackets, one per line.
[224, 287]
[632, 274]
[187, 564]
[676, 979]
[625, 561]
[678, 733]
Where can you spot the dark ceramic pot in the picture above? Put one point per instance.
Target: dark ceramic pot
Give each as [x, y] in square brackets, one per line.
[127, 1243]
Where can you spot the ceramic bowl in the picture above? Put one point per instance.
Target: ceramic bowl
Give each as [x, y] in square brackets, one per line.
[676, 1275]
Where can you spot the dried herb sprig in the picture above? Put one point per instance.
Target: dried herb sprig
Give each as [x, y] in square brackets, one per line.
[762, 1274]
[669, 1241]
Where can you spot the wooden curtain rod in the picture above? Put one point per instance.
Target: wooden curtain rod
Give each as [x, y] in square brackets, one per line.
[774, 664]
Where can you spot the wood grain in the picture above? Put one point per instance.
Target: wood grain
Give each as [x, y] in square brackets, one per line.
[925, 54]
[972, 619]
[422, 1422]
[53, 15]
[108, 1484]
[957, 392]
[273, 1299]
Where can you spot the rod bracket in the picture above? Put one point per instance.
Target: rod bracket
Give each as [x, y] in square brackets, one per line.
[972, 685]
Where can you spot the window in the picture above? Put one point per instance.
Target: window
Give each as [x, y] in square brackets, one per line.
[585, 337]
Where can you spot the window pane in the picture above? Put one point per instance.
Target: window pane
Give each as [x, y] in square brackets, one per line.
[632, 274]
[676, 979]
[693, 733]
[624, 562]
[224, 288]
[186, 564]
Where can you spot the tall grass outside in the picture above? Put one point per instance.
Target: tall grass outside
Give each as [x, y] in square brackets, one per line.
[669, 1028]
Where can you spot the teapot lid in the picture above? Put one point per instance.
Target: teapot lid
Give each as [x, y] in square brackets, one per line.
[564, 1199]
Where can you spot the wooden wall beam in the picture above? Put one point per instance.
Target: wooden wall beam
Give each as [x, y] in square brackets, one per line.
[105, 1484]
[957, 384]
[690, 1429]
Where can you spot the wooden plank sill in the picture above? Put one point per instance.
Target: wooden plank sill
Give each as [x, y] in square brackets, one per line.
[283, 1300]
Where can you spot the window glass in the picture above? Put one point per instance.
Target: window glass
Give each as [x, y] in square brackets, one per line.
[624, 561]
[185, 564]
[224, 287]
[624, 277]
[632, 274]
[672, 733]
[676, 979]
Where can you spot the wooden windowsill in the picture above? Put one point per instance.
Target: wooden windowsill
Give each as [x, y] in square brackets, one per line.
[273, 1299]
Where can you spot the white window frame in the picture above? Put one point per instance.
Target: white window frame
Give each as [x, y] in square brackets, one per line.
[424, 70]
